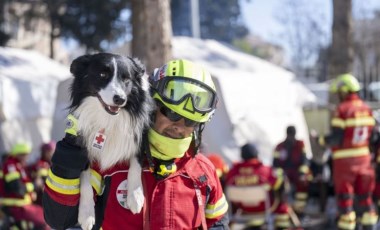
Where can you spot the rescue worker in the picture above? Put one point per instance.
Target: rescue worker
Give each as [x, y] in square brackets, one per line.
[290, 156]
[182, 190]
[39, 170]
[251, 172]
[353, 176]
[17, 190]
[375, 150]
[221, 167]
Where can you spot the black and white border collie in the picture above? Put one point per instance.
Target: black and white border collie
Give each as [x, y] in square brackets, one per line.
[110, 96]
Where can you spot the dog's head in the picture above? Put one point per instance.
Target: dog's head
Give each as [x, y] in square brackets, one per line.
[117, 81]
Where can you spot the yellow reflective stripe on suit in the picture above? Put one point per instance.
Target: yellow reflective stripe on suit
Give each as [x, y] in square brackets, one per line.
[352, 152]
[16, 201]
[218, 209]
[352, 122]
[62, 185]
[12, 176]
[96, 182]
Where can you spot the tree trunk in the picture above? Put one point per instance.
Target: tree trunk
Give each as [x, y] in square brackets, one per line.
[152, 32]
[341, 56]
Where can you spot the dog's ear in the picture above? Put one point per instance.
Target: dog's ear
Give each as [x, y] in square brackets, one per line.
[137, 67]
[79, 66]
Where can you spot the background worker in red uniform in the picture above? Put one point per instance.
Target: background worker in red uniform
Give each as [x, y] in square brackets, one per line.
[182, 190]
[17, 190]
[353, 175]
[375, 150]
[252, 173]
[290, 156]
[39, 170]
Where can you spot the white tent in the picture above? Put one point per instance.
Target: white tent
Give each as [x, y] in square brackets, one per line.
[28, 92]
[257, 100]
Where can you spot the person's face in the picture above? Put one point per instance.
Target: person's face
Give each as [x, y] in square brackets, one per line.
[342, 96]
[22, 158]
[172, 129]
[47, 155]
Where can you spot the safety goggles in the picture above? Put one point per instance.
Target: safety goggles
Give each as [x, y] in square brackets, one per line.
[174, 117]
[174, 90]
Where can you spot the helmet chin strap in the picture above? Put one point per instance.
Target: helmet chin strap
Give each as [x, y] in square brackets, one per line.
[197, 137]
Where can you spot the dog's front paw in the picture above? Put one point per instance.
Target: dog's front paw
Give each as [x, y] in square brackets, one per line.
[135, 200]
[88, 223]
[86, 217]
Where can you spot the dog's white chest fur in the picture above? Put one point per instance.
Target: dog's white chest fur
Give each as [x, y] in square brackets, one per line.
[123, 136]
[121, 133]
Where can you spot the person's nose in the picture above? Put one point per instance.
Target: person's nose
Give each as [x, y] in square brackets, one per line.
[180, 128]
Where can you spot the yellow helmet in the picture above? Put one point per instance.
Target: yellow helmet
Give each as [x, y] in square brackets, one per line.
[186, 89]
[345, 83]
[20, 149]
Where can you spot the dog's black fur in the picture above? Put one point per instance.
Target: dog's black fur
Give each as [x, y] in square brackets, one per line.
[87, 68]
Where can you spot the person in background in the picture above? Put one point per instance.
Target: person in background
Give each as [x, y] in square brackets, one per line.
[39, 170]
[221, 167]
[375, 151]
[17, 190]
[251, 172]
[353, 175]
[181, 188]
[290, 156]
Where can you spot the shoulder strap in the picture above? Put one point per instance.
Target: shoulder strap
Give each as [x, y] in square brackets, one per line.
[197, 181]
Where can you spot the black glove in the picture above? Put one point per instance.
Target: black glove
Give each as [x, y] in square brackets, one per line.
[70, 156]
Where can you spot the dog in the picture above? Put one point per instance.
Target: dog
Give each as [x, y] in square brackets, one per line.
[110, 96]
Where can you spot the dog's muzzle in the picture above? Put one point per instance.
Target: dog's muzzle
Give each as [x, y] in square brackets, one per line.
[112, 109]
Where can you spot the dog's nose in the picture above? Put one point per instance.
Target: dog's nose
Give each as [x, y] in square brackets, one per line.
[118, 100]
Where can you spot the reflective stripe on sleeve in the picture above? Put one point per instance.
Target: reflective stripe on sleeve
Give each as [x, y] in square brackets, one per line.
[15, 201]
[61, 185]
[12, 176]
[353, 152]
[96, 182]
[217, 209]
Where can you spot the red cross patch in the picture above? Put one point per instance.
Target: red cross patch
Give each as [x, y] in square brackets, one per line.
[99, 140]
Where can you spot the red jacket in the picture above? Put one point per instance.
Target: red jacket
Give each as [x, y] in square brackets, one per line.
[15, 188]
[253, 173]
[171, 203]
[355, 118]
[40, 168]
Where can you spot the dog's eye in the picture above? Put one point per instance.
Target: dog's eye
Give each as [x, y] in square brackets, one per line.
[103, 75]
